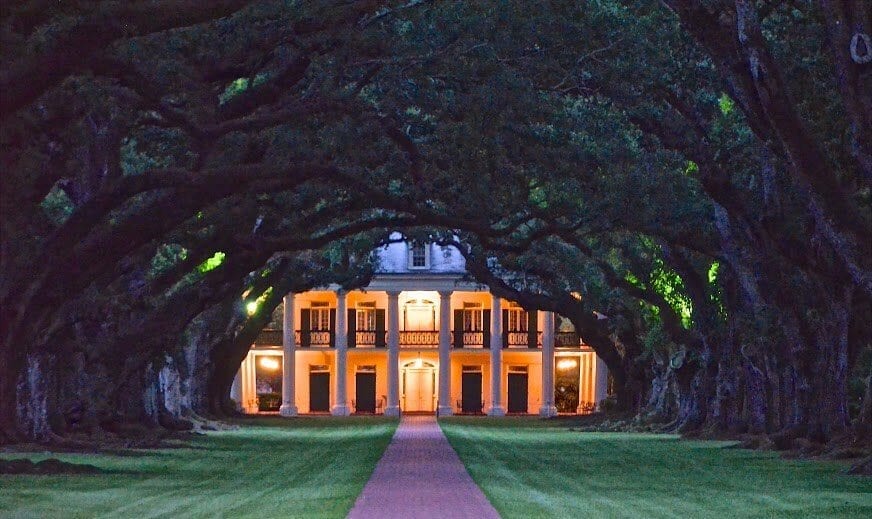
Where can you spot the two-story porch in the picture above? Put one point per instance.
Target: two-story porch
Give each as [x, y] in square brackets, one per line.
[453, 348]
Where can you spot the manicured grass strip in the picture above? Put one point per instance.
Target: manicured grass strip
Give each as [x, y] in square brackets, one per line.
[529, 467]
[304, 467]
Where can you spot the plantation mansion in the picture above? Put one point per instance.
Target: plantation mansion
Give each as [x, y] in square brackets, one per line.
[419, 338]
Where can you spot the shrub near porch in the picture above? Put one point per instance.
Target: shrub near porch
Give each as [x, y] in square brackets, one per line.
[304, 467]
[528, 467]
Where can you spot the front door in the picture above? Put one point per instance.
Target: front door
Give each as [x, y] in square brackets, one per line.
[517, 392]
[470, 393]
[418, 389]
[365, 393]
[319, 392]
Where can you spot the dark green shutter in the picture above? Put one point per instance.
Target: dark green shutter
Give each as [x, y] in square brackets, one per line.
[506, 329]
[352, 328]
[305, 327]
[485, 327]
[332, 327]
[458, 329]
[380, 328]
[533, 329]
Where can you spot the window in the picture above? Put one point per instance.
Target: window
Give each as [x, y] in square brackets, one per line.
[472, 317]
[419, 256]
[517, 320]
[366, 317]
[320, 317]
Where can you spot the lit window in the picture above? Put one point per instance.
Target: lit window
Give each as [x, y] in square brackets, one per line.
[366, 317]
[320, 317]
[472, 317]
[418, 256]
[517, 320]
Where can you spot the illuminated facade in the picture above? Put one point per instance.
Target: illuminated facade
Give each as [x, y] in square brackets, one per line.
[418, 338]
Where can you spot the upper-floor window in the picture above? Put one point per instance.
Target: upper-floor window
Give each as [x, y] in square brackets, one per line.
[517, 320]
[472, 317]
[419, 256]
[366, 316]
[319, 317]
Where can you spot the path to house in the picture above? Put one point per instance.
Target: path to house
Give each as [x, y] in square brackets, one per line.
[420, 475]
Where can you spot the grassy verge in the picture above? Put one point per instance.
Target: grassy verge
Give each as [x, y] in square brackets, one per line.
[271, 467]
[538, 468]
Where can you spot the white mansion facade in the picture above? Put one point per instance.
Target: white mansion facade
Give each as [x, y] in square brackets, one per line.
[419, 338]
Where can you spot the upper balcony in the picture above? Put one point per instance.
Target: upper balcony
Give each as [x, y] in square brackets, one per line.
[418, 339]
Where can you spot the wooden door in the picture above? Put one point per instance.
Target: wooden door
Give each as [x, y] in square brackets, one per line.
[365, 392]
[517, 393]
[319, 392]
[470, 393]
[419, 390]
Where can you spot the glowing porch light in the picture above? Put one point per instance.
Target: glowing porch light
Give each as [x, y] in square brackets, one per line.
[270, 363]
[566, 363]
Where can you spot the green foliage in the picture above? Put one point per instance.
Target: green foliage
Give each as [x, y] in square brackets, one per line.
[167, 257]
[669, 284]
[57, 206]
[212, 263]
[726, 104]
[240, 85]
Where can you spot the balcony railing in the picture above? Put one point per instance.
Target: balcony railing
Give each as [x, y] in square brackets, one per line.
[269, 338]
[522, 340]
[567, 340]
[414, 339]
[473, 340]
[419, 339]
[369, 339]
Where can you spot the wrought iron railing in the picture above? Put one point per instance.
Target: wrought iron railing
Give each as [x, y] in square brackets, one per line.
[269, 337]
[419, 339]
[522, 340]
[415, 339]
[319, 338]
[567, 340]
[273, 337]
[473, 339]
[368, 339]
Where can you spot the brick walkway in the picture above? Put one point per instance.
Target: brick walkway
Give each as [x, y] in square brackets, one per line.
[420, 475]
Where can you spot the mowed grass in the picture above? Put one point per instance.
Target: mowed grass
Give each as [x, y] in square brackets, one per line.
[270, 467]
[529, 467]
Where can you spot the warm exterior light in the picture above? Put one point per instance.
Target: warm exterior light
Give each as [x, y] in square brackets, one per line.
[419, 363]
[251, 307]
[269, 363]
[566, 363]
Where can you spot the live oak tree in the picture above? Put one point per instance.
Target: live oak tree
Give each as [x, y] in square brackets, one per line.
[688, 185]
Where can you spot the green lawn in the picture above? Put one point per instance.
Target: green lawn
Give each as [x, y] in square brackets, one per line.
[536, 468]
[305, 467]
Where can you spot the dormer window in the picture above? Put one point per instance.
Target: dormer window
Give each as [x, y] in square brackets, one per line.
[419, 256]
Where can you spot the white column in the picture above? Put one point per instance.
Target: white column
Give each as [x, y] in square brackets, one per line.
[340, 407]
[602, 381]
[496, 347]
[289, 351]
[249, 384]
[548, 409]
[445, 407]
[393, 407]
[236, 390]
